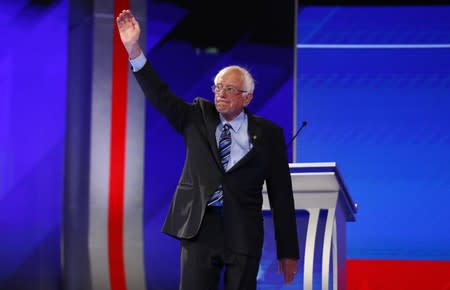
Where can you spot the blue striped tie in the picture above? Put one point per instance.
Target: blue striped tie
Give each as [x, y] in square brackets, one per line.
[224, 153]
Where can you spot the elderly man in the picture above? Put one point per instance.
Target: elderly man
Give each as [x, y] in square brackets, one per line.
[216, 208]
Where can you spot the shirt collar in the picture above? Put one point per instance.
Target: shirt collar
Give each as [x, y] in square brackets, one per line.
[236, 123]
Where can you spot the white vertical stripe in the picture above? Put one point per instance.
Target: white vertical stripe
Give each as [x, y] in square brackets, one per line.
[310, 248]
[134, 171]
[100, 146]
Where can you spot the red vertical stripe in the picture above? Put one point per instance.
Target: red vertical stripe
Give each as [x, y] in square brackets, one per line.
[117, 158]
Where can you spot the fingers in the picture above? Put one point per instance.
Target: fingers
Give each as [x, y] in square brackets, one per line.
[134, 21]
[289, 277]
[288, 267]
[125, 17]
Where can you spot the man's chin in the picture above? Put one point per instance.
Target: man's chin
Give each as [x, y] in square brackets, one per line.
[221, 109]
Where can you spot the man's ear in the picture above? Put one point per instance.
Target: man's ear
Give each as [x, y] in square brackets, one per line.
[247, 99]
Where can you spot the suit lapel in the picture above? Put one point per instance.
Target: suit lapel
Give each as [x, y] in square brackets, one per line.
[212, 120]
[211, 125]
[254, 134]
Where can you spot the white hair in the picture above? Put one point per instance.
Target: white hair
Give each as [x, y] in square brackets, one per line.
[249, 82]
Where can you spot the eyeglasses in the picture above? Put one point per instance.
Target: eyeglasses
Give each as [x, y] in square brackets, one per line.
[228, 90]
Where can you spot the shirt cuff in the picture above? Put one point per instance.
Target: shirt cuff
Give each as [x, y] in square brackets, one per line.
[138, 62]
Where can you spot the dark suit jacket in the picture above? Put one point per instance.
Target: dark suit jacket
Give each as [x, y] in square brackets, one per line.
[242, 184]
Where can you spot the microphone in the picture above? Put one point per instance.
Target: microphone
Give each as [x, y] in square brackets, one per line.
[304, 123]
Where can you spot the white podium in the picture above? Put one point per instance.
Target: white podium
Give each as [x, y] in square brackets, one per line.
[323, 206]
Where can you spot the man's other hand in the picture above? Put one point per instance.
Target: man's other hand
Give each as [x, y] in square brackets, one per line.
[288, 267]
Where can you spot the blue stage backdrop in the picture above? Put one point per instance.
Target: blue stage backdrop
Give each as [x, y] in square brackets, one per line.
[32, 125]
[374, 85]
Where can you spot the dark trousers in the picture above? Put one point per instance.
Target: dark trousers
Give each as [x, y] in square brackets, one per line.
[204, 257]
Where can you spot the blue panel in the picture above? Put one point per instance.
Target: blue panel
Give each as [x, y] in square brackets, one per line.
[32, 124]
[318, 249]
[381, 113]
[362, 25]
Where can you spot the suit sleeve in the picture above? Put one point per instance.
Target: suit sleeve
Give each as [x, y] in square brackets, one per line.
[279, 190]
[162, 98]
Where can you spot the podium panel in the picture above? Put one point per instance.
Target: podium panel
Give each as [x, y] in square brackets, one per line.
[323, 206]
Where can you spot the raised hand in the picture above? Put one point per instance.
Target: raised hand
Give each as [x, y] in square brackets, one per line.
[129, 31]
